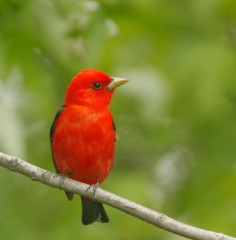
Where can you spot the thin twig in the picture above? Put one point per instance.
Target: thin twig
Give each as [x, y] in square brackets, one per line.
[155, 218]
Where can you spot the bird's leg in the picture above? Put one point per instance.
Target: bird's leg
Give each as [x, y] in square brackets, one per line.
[94, 187]
[63, 177]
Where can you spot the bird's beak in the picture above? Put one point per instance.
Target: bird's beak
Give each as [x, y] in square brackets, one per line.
[115, 82]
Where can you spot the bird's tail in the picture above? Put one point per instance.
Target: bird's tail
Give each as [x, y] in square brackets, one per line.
[93, 211]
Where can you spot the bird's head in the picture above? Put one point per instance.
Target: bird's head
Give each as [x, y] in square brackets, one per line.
[92, 88]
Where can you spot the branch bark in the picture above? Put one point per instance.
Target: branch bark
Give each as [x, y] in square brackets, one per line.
[155, 218]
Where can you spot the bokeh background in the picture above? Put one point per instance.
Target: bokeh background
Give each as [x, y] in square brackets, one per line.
[176, 117]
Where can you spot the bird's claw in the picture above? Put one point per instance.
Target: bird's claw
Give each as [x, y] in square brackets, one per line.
[63, 177]
[94, 187]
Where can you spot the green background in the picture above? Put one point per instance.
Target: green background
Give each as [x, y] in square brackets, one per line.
[176, 117]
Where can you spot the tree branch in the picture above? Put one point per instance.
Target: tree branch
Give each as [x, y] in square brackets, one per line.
[155, 218]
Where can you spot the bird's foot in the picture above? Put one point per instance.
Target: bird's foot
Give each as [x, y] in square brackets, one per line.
[63, 177]
[94, 187]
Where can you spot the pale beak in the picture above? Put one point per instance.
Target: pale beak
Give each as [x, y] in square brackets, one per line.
[116, 82]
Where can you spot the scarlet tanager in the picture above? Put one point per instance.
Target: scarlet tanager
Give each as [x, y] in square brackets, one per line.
[83, 135]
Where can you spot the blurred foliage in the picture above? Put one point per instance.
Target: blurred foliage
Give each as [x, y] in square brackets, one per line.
[176, 117]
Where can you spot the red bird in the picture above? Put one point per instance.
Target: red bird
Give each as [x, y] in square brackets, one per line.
[83, 135]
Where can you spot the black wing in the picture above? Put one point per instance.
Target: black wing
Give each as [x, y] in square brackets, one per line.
[52, 129]
[115, 132]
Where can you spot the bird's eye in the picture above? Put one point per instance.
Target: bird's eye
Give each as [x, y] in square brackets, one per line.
[96, 85]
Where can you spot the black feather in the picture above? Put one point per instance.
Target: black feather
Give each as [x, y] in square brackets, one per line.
[52, 130]
[115, 132]
[93, 211]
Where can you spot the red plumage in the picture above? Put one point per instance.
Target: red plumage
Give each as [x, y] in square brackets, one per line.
[83, 135]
